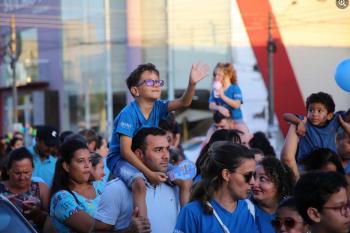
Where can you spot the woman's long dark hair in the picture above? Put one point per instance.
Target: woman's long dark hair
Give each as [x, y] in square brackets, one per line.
[221, 155]
[61, 178]
[218, 135]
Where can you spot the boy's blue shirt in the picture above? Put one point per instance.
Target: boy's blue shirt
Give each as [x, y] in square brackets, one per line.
[318, 137]
[128, 122]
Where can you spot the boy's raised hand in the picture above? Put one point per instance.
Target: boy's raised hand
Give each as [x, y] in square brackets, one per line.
[301, 130]
[345, 125]
[198, 72]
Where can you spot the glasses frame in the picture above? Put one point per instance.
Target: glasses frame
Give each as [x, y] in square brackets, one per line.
[287, 222]
[342, 209]
[152, 83]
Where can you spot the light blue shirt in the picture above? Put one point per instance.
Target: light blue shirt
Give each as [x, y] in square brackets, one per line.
[128, 122]
[45, 169]
[63, 205]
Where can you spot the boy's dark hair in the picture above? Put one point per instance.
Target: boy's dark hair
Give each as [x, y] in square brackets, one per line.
[314, 189]
[322, 98]
[134, 77]
[320, 157]
[139, 139]
[90, 135]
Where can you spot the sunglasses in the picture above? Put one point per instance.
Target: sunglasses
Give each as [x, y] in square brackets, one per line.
[152, 83]
[247, 176]
[287, 222]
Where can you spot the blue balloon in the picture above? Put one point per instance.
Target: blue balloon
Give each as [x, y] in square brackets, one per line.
[342, 75]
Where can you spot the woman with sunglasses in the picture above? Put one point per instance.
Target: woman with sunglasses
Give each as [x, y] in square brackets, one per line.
[287, 218]
[217, 203]
[273, 182]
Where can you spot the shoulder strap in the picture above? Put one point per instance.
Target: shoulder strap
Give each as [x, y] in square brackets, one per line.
[251, 207]
[75, 197]
[224, 227]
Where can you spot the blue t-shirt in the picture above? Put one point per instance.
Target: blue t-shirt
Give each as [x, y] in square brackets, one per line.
[63, 205]
[128, 122]
[45, 169]
[318, 137]
[263, 221]
[233, 92]
[192, 219]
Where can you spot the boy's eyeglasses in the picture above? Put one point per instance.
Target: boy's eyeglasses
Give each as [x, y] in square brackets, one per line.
[343, 209]
[287, 222]
[151, 83]
[247, 176]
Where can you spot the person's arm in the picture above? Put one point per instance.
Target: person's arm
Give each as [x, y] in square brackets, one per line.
[198, 72]
[128, 155]
[289, 150]
[233, 103]
[300, 124]
[44, 195]
[215, 107]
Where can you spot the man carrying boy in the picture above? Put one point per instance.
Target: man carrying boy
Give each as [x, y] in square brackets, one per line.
[151, 146]
[318, 128]
[146, 111]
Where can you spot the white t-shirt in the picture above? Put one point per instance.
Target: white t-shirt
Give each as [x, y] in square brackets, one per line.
[116, 207]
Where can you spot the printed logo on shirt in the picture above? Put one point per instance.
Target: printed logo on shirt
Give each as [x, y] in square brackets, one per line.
[125, 125]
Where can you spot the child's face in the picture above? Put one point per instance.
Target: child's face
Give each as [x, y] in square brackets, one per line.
[145, 89]
[317, 114]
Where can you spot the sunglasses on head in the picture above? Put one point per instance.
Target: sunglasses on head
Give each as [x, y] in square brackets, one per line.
[287, 222]
[152, 83]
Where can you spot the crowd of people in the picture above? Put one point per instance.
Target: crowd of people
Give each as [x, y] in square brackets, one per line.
[140, 181]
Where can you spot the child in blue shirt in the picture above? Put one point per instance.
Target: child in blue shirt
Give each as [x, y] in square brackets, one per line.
[145, 111]
[319, 127]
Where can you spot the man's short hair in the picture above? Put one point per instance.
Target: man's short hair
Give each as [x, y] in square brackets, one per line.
[218, 117]
[134, 77]
[314, 189]
[322, 98]
[139, 140]
[90, 135]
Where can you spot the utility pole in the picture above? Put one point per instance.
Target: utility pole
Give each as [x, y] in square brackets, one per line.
[169, 60]
[14, 57]
[271, 49]
[108, 77]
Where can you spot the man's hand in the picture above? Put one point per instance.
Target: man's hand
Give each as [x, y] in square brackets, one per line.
[198, 72]
[138, 223]
[156, 178]
[345, 125]
[301, 130]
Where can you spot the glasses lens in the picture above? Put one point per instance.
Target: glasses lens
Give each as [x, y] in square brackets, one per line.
[149, 82]
[160, 82]
[248, 176]
[289, 222]
[276, 223]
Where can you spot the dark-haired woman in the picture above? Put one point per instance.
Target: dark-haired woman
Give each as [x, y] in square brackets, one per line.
[287, 218]
[273, 182]
[31, 198]
[217, 202]
[74, 197]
